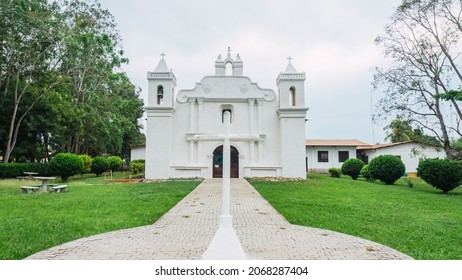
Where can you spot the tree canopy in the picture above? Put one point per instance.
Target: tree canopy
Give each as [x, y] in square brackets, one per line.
[422, 42]
[61, 81]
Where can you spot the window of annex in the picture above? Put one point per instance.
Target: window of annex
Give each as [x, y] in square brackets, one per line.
[343, 156]
[323, 156]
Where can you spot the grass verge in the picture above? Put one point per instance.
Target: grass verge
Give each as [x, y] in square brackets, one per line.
[420, 221]
[30, 223]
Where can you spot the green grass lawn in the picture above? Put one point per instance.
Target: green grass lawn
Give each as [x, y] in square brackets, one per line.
[420, 221]
[30, 223]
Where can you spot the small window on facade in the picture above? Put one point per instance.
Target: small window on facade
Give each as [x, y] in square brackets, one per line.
[292, 92]
[223, 115]
[343, 156]
[160, 95]
[323, 156]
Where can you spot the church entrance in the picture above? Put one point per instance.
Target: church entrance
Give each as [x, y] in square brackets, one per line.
[218, 162]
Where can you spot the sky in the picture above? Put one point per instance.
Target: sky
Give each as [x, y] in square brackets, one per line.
[332, 41]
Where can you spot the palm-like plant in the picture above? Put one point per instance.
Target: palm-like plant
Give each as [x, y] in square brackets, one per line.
[400, 131]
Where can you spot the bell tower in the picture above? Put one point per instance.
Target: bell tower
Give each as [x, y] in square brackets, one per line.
[292, 113]
[159, 128]
[161, 85]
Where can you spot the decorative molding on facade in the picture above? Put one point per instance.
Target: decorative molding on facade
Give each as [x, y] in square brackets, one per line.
[291, 77]
[292, 112]
[160, 111]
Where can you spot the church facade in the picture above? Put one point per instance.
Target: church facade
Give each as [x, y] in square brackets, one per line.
[179, 124]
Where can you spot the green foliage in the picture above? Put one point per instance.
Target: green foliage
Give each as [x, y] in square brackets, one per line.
[366, 173]
[416, 221]
[409, 182]
[335, 172]
[13, 170]
[99, 165]
[115, 163]
[352, 167]
[66, 165]
[86, 163]
[387, 168]
[137, 166]
[443, 174]
[63, 59]
[32, 223]
[401, 131]
[456, 147]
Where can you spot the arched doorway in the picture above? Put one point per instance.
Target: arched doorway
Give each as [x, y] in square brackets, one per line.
[218, 162]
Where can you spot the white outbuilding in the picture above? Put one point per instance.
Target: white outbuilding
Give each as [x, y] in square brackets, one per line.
[409, 152]
[181, 125]
[323, 154]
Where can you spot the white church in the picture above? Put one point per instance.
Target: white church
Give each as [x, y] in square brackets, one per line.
[178, 123]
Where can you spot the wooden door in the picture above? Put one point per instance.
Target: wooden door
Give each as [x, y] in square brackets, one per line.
[218, 162]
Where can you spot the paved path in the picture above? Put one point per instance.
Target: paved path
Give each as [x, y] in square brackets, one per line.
[186, 230]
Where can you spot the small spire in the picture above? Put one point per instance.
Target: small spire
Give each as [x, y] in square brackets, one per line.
[290, 69]
[238, 57]
[219, 58]
[162, 66]
[229, 52]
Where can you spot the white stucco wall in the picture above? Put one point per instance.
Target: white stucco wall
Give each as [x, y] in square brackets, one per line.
[323, 167]
[138, 153]
[407, 154]
[199, 112]
[271, 134]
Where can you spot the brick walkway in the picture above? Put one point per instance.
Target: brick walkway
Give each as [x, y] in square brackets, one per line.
[187, 229]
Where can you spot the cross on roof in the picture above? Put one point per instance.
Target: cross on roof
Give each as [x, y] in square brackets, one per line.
[289, 58]
[162, 54]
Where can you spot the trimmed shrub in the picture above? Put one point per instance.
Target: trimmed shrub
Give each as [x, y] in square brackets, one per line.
[335, 172]
[115, 163]
[443, 174]
[99, 165]
[86, 163]
[137, 166]
[66, 165]
[387, 168]
[13, 170]
[352, 167]
[366, 173]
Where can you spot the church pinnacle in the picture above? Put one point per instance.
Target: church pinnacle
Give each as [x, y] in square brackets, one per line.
[290, 69]
[162, 66]
[237, 64]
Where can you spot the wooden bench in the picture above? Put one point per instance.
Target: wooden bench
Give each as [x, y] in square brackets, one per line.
[29, 189]
[59, 188]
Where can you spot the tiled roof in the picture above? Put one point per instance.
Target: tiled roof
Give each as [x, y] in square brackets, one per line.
[349, 142]
[379, 146]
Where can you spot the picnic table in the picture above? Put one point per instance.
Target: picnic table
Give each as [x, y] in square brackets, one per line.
[44, 181]
[29, 174]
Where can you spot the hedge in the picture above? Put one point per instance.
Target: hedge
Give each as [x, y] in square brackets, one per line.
[386, 168]
[443, 174]
[352, 167]
[13, 170]
[66, 165]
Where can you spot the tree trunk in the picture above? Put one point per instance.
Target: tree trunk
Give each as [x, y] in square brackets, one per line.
[445, 138]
